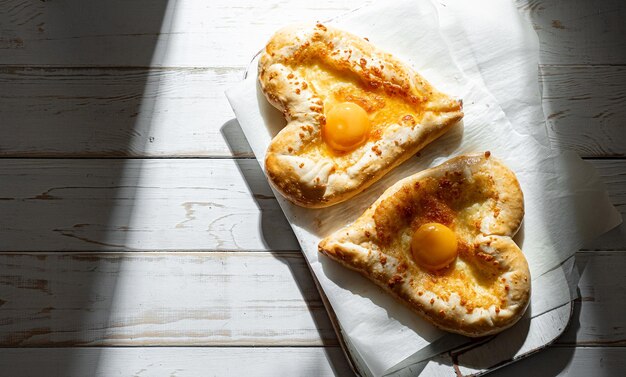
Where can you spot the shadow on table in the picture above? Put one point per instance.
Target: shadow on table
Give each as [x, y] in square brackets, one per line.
[273, 240]
[548, 361]
[552, 361]
[55, 104]
[233, 134]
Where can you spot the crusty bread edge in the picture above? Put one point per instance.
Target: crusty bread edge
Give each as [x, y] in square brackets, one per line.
[367, 263]
[302, 109]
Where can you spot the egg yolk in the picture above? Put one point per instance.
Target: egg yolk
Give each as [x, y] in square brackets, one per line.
[347, 126]
[434, 246]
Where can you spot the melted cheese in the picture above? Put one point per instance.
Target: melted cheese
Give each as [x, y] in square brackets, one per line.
[459, 203]
[477, 285]
[334, 87]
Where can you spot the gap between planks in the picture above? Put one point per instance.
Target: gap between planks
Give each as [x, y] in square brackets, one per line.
[161, 113]
[199, 204]
[216, 157]
[196, 32]
[146, 299]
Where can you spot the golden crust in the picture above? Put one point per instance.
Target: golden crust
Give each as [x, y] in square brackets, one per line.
[302, 70]
[487, 288]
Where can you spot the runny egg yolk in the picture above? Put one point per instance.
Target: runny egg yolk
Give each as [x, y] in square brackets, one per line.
[434, 246]
[347, 126]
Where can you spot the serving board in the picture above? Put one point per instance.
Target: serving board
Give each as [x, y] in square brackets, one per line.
[450, 355]
[456, 355]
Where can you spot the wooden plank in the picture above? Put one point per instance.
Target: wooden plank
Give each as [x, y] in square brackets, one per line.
[613, 174]
[569, 361]
[118, 112]
[177, 361]
[159, 204]
[141, 33]
[578, 31]
[168, 204]
[598, 317]
[182, 361]
[218, 299]
[198, 33]
[584, 107]
[134, 299]
[136, 112]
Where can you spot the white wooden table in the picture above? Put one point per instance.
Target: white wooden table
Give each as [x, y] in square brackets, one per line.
[138, 236]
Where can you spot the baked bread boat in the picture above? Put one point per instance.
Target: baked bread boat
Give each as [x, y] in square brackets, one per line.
[440, 241]
[353, 113]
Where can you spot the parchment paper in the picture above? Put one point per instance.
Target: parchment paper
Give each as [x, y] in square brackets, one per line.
[486, 54]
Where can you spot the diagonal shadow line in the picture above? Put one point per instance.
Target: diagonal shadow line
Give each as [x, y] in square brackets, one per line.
[55, 291]
[235, 139]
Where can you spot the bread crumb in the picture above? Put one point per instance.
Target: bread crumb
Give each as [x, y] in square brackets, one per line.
[395, 279]
[376, 150]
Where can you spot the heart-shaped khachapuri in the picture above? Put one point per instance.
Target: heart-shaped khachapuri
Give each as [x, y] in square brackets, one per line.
[440, 242]
[353, 113]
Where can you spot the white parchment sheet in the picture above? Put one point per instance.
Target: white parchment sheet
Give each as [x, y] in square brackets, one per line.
[485, 53]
